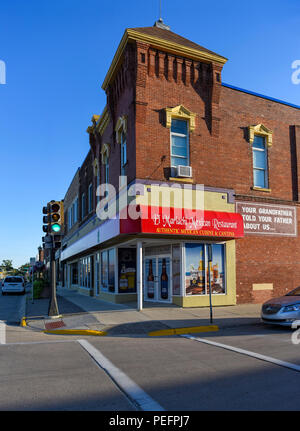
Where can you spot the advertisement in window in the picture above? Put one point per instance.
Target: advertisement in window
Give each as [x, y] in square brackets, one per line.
[198, 267]
[127, 270]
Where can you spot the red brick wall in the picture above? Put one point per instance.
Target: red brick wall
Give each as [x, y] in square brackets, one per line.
[261, 259]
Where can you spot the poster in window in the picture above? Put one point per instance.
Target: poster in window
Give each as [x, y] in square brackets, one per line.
[198, 267]
[217, 272]
[195, 269]
[127, 270]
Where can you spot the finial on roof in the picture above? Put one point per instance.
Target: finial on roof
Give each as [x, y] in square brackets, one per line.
[160, 23]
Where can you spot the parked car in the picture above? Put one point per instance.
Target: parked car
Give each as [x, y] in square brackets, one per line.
[284, 310]
[13, 284]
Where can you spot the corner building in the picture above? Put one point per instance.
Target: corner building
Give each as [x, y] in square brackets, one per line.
[179, 138]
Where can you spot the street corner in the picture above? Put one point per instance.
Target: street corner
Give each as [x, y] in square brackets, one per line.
[68, 326]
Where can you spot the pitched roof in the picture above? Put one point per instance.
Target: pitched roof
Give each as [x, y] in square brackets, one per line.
[172, 37]
[165, 40]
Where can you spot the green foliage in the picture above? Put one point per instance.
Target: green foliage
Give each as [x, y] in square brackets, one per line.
[38, 286]
[6, 265]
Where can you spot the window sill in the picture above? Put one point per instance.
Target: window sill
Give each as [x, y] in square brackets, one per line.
[182, 180]
[261, 189]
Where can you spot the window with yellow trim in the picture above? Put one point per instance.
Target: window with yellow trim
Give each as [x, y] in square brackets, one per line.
[260, 162]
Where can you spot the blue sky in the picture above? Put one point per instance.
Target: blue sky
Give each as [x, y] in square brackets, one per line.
[57, 53]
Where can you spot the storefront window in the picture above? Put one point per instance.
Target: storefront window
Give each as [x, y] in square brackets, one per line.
[127, 270]
[74, 273]
[176, 269]
[85, 273]
[108, 270]
[104, 270]
[97, 272]
[197, 269]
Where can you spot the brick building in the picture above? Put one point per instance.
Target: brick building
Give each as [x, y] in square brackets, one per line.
[209, 187]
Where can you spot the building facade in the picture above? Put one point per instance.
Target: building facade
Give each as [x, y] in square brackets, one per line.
[190, 185]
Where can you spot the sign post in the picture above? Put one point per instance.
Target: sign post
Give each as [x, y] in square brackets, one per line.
[32, 263]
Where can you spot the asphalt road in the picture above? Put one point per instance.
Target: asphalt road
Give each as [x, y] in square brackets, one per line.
[10, 307]
[52, 372]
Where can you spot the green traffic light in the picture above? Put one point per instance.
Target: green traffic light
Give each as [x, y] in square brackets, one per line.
[56, 227]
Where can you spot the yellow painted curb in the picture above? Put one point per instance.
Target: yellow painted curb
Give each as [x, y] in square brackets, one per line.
[23, 322]
[179, 331]
[75, 332]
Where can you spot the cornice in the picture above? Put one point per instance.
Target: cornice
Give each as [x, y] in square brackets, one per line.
[103, 121]
[131, 35]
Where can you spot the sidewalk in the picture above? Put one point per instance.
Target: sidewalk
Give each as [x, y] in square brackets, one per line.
[82, 312]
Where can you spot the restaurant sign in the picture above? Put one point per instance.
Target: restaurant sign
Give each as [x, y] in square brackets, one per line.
[268, 219]
[160, 220]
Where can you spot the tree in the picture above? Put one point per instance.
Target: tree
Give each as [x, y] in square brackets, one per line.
[6, 265]
[23, 268]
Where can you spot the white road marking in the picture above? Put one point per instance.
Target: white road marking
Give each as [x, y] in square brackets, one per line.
[255, 355]
[2, 332]
[139, 397]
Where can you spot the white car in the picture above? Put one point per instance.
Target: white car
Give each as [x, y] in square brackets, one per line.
[13, 284]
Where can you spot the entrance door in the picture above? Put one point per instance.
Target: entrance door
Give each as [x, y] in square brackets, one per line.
[157, 279]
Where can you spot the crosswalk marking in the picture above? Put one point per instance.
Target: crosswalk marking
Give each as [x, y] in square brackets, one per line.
[255, 355]
[139, 397]
[2, 332]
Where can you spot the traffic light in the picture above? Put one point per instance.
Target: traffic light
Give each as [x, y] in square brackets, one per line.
[56, 216]
[46, 219]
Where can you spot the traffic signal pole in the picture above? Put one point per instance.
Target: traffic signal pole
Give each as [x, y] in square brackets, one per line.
[53, 307]
[54, 226]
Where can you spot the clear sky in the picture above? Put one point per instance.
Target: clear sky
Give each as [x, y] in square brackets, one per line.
[57, 54]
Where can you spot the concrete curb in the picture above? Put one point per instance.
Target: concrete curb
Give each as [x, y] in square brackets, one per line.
[181, 331]
[75, 332]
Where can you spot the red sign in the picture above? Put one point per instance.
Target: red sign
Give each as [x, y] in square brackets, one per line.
[172, 221]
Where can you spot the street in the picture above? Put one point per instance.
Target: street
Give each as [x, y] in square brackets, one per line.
[129, 373]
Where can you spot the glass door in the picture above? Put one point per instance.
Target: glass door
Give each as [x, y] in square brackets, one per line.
[157, 279]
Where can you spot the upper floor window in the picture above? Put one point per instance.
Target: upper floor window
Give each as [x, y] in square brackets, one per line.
[179, 143]
[105, 163]
[121, 137]
[90, 198]
[75, 205]
[73, 213]
[261, 140]
[70, 218]
[83, 206]
[260, 162]
[123, 153]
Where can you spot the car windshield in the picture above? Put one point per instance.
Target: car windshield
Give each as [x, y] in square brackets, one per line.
[295, 292]
[13, 280]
